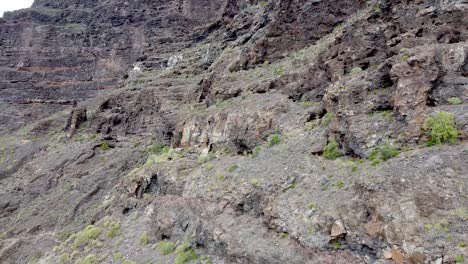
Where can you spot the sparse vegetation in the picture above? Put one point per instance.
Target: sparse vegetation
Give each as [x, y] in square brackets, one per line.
[105, 146]
[331, 150]
[83, 237]
[209, 166]
[441, 128]
[256, 151]
[90, 259]
[263, 4]
[184, 254]
[387, 151]
[454, 101]
[279, 71]
[166, 247]
[144, 239]
[254, 182]
[336, 245]
[274, 140]
[375, 162]
[356, 70]
[207, 157]
[305, 104]
[233, 167]
[114, 229]
[326, 119]
[459, 259]
[64, 258]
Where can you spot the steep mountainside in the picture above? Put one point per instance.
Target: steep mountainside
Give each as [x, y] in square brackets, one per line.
[229, 131]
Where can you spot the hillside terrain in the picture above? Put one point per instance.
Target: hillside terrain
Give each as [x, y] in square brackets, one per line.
[229, 131]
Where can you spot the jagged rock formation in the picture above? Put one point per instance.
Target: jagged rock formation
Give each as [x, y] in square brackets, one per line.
[211, 126]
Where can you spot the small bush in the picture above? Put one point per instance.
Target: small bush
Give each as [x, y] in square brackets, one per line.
[209, 166]
[279, 71]
[331, 150]
[459, 259]
[274, 140]
[254, 182]
[455, 101]
[184, 254]
[233, 167]
[90, 259]
[306, 104]
[207, 157]
[118, 257]
[114, 229]
[64, 258]
[375, 163]
[356, 70]
[91, 232]
[441, 128]
[166, 247]
[256, 151]
[105, 146]
[326, 119]
[144, 239]
[157, 148]
[340, 184]
[387, 151]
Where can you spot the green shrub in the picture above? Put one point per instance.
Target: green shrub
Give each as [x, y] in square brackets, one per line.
[336, 244]
[441, 128]
[459, 259]
[274, 140]
[455, 101]
[64, 258]
[209, 166]
[387, 151]
[144, 239]
[356, 70]
[166, 247]
[331, 150]
[91, 232]
[256, 151]
[375, 162]
[278, 71]
[233, 167]
[118, 257]
[306, 104]
[326, 119]
[114, 229]
[157, 148]
[90, 259]
[184, 254]
[254, 182]
[105, 146]
[207, 157]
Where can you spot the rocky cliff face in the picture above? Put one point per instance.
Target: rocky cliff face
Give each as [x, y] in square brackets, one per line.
[234, 132]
